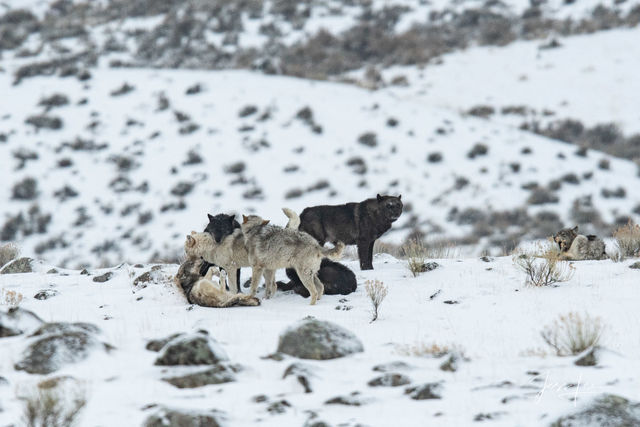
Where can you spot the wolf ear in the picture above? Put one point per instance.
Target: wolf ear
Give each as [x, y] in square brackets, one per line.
[193, 233]
[575, 229]
[210, 217]
[245, 219]
[379, 197]
[231, 218]
[190, 241]
[400, 197]
[265, 222]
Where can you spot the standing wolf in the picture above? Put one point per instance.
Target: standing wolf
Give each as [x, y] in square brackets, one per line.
[353, 224]
[271, 247]
[577, 247]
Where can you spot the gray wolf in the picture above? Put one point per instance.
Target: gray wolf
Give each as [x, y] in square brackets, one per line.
[271, 247]
[577, 247]
[230, 253]
[204, 291]
[337, 279]
[353, 224]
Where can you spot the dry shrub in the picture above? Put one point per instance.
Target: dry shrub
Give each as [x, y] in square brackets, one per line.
[544, 269]
[8, 252]
[628, 239]
[10, 298]
[416, 255]
[377, 291]
[426, 350]
[49, 405]
[572, 333]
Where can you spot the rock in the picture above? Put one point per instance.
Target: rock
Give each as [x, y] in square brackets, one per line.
[20, 265]
[167, 417]
[353, 399]
[103, 278]
[59, 344]
[84, 272]
[486, 416]
[278, 407]
[425, 391]
[635, 265]
[389, 380]
[191, 349]
[52, 271]
[16, 321]
[220, 374]
[591, 357]
[392, 366]
[605, 410]
[302, 373]
[46, 294]
[156, 345]
[452, 363]
[318, 340]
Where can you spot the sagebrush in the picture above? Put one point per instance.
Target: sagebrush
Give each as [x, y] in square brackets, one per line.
[377, 291]
[544, 269]
[573, 333]
[10, 298]
[8, 252]
[51, 407]
[628, 239]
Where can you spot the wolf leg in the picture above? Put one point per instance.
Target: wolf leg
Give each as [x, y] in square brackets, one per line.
[307, 281]
[269, 283]
[365, 254]
[232, 277]
[319, 285]
[256, 273]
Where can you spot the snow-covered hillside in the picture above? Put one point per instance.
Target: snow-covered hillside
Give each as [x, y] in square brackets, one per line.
[479, 309]
[130, 171]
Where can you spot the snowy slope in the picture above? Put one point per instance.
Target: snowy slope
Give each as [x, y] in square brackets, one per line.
[124, 204]
[495, 320]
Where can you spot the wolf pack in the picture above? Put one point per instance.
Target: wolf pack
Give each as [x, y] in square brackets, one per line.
[225, 246]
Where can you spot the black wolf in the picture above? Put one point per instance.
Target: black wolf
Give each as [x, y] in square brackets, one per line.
[219, 227]
[338, 279]
[353, 224]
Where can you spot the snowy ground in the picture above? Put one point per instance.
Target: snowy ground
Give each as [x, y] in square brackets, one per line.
[495, 320]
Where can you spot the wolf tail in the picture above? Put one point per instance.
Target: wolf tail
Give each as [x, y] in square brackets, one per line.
[294, 219]
[333, 253]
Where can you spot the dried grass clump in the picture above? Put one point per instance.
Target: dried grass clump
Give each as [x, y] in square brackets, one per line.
[10, 298]
[50, 406]
[544, 269]
[572, 333]
[628, 239]
[426, 350]
[377, 291]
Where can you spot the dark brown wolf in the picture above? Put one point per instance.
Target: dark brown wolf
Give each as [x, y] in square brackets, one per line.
[353, 224]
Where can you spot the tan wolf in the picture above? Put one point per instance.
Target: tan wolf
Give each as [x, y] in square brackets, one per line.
[270, 247]
[204, 291]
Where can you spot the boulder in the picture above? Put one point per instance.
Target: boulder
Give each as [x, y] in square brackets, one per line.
[156, 345]
[425, 391]
[318, 340]
[607, 410]
[392, 366]
[45, 294]
[103, 277]
[219, 374]
[16, 321]
[389, 380]
[20, 265]
[192, 349]
[59, 344]
[168, 417]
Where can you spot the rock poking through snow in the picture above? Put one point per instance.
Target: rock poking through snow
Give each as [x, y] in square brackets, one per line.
[21, 265]
[192, 349]
[319, 340]
[168, 417]
[605, 410]
[59, 344]
[16, 321]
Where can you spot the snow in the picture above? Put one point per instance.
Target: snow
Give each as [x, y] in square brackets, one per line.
[496, 323]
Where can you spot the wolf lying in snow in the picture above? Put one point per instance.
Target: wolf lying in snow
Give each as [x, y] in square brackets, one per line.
[577, 247]
[271, 247]
[204, 291]
[224, 245]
